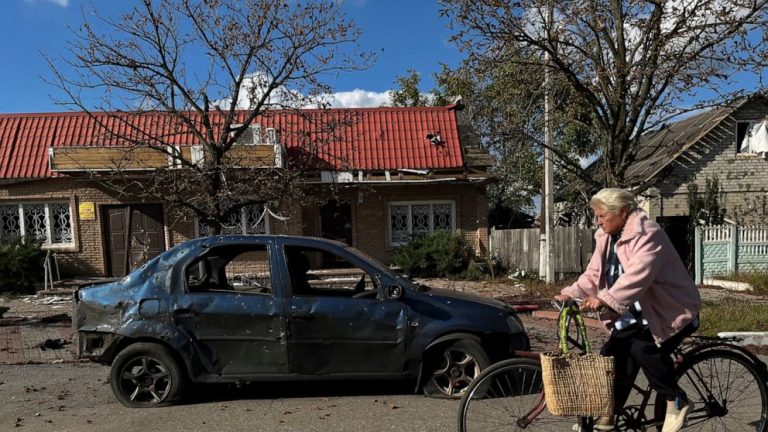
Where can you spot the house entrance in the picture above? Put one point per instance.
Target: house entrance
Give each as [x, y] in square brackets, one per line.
[336, 223]
[134, 235]
[676, 228]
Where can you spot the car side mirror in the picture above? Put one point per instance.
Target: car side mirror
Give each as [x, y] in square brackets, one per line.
[394, 292]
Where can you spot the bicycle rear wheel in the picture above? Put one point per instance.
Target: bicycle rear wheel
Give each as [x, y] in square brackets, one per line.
[508, 396]
[728, 392]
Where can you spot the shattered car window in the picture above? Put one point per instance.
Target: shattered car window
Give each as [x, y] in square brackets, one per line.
[317, 272]
[239, 268]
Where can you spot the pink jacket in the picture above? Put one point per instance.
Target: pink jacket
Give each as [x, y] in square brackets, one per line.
[653, 274]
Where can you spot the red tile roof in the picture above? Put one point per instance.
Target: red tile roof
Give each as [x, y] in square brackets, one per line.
[372, 138]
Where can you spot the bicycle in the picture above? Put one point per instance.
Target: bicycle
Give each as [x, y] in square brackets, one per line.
[727, 384]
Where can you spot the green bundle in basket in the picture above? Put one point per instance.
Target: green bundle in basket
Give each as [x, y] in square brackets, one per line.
[577, 384]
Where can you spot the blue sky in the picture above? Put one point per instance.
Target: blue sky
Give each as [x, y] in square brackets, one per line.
[405, 34]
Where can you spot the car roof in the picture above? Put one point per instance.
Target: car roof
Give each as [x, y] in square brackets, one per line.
[304, 240]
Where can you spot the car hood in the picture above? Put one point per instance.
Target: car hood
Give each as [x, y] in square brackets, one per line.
[447, 295]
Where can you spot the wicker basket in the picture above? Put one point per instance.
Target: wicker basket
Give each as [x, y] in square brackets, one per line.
[577, 384]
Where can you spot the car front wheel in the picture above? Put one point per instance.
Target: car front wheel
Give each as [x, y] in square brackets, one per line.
[146, 375]
[452, 367]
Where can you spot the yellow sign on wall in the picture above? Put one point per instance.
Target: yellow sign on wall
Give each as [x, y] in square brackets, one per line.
[87, 211]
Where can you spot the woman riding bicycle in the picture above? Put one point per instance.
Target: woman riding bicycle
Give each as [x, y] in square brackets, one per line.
[645, 297]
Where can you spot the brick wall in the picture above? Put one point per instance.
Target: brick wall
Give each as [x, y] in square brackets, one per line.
[86, 255]
[371, 232]
[743, 178]
[370, 212]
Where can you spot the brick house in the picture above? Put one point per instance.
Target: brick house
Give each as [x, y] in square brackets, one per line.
[714, 143]
[405, 171]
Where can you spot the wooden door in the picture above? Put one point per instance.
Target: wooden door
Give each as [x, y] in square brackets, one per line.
[134, 236]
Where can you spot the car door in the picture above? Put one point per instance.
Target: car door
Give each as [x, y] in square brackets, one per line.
[232, 312]
[335, 324]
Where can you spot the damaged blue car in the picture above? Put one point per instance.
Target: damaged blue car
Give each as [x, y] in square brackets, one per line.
[229, 309]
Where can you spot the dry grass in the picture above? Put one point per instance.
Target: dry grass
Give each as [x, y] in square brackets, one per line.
[733, 315]
[758, 280]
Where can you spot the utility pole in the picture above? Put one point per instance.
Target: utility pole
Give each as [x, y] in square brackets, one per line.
[546, 261]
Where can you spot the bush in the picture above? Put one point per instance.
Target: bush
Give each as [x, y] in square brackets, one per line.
[439, 254]
[21, 266]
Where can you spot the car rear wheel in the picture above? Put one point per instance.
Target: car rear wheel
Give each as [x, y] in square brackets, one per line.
[146, 375]
[452, 367]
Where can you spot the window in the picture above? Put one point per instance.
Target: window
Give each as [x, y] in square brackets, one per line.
[251, 135]
[240, 268]
[411, 219]
[751, 137]
[320, 273]
[49, 222]
[252, 219]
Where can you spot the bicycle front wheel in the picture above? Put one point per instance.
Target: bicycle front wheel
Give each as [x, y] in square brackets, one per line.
[509, 396]
[727, 391]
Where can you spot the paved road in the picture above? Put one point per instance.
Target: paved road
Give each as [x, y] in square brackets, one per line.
[76, 397]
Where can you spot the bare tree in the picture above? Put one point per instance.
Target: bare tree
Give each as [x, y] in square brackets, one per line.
[634, 64]
[209, 70]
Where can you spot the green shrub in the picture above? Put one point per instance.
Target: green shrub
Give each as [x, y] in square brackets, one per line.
[21, 266]
[439, 254]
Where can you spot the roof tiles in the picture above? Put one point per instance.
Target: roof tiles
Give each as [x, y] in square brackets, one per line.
[369, 138]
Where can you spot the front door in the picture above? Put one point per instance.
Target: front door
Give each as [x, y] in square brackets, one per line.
[336, 221]
[677, 228]
[134, 236]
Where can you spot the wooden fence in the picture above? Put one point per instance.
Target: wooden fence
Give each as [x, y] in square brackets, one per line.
[519, 248]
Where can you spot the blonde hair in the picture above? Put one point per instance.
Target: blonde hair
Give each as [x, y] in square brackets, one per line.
[613, 200]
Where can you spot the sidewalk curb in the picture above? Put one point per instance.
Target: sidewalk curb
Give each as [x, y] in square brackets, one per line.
[747, 338]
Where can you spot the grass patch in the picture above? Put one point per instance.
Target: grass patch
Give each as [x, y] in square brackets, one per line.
[758, 280]
[733, 315]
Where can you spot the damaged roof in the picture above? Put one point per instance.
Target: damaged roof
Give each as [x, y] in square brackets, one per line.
[659, 148]
[387, 138]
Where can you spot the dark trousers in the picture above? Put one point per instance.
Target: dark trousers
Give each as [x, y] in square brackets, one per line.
[635, 349]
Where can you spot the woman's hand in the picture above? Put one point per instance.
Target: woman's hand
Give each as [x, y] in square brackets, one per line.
[562, 298]
[592, 303]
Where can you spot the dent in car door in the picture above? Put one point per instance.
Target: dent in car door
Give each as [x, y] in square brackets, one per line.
[239, 334]
[232, 311]
[336, 322]
[347, 335]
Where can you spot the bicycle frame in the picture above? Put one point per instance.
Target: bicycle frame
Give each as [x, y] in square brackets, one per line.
[632, 416]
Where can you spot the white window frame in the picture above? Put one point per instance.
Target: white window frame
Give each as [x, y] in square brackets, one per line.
[243, 223]
[410, 205]
[255, 134]
[750, 126]
[48, 221]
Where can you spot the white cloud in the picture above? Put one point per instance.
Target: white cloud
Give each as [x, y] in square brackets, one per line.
[62, 3]
[284, 97]
[359, 99]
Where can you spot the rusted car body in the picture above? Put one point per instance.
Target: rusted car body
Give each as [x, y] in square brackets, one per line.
[256, 308]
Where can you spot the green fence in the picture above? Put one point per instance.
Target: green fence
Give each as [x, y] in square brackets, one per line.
[726, 249]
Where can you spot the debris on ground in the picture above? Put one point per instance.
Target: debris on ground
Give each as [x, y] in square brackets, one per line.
[47, 300]
[53, 344]
[58, 318]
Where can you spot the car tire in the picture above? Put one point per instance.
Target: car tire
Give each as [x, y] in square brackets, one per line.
[451, 367]
[146, 375]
